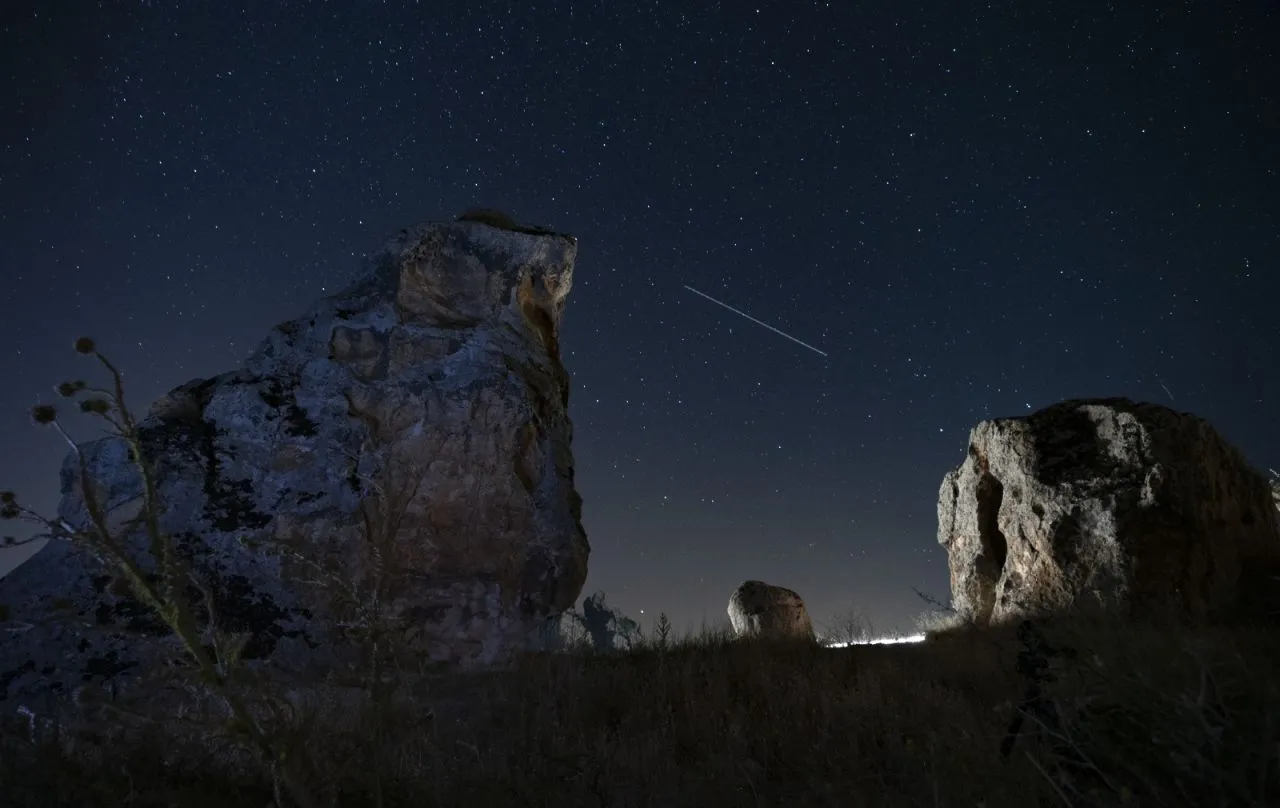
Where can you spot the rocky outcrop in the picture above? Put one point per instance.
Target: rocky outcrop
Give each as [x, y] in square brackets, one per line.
[1126, 506]
[433, 387]
[760, 609]
[1275, 491]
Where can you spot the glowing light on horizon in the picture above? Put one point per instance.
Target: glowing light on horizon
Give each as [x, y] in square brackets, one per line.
[880, 641]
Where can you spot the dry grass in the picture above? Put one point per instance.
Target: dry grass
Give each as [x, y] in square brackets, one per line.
[1128, 716]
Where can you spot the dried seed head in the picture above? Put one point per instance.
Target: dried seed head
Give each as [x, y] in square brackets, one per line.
[85, 345]
[44, 413]
[95, 406]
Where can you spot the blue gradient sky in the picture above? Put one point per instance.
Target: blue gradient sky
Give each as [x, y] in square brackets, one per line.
[972, 214]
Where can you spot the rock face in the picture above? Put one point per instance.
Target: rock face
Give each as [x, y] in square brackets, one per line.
[1275, 492]
[1109, 503]
[759, 609]
[435, 378]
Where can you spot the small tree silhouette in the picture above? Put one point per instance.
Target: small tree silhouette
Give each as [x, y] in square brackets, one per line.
[662, 631]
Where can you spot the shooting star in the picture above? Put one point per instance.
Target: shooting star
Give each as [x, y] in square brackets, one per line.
[754, 320]
[1166, 390]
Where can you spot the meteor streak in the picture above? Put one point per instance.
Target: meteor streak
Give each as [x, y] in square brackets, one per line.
[754, 320]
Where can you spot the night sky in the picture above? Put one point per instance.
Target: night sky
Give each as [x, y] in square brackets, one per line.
[973, 214]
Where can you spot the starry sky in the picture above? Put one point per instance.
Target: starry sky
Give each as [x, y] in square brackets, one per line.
[972, 211]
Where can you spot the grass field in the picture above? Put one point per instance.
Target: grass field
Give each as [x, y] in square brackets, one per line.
[1110, 715]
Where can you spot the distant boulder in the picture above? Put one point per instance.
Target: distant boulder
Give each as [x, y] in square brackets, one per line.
[1130, 507]
[760, 609]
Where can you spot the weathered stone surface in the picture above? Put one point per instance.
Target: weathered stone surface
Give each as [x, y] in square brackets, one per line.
[439, 367]
[760, 609]
[1275, 492]
[1108, 503]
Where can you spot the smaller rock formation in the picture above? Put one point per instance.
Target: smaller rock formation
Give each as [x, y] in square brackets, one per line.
[1275, 491]
[1130, 507]
[760, 609]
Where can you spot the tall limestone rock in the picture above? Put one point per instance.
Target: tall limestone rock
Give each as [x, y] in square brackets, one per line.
[1127, 506]
[436, 376]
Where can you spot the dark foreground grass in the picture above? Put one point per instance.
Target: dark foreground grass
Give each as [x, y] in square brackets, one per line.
[1111, 715]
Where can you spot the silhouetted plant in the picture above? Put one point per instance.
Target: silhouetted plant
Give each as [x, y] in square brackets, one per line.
[1034, 660]
[165, 591]
[662, 632]
[366, 593]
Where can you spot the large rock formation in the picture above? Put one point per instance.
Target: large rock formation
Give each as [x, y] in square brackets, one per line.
[1128, 506]
[760, 609]
[436, 379]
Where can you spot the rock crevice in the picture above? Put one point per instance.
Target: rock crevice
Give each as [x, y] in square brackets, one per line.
[1106, 503]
